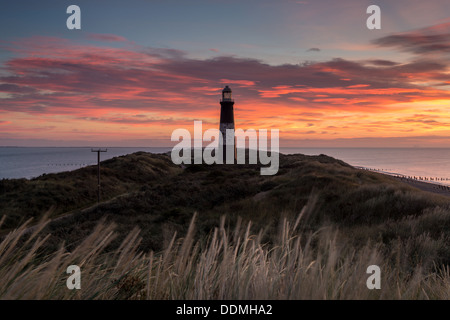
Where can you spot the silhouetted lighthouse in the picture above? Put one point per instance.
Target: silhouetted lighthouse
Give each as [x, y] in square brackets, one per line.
[227, 121]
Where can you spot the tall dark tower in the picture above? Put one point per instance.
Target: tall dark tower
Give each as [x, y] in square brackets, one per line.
[227, 121]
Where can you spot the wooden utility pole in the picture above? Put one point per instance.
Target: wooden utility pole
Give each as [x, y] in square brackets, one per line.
[98, 170]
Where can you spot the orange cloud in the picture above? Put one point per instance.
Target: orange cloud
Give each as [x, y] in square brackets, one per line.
[55, 88]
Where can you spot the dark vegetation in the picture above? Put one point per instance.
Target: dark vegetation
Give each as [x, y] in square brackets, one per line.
[150, 192]
[21, 199]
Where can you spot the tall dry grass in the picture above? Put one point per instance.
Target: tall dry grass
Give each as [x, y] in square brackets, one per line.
[229, 264]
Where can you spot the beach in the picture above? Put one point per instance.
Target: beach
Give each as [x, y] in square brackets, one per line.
[426, 186]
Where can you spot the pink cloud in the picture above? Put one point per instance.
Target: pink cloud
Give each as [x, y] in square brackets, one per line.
[242, 83]
[106, 37]
[86, 84]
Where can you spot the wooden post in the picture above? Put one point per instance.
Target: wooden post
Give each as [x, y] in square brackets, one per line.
[98, 171]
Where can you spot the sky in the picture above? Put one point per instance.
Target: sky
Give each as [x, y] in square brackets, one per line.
[137, 70]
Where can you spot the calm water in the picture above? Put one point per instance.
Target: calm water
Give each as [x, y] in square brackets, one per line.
[425, 162]
[32, 162]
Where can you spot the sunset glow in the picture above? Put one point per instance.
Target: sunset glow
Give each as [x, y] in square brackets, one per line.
[378, 88]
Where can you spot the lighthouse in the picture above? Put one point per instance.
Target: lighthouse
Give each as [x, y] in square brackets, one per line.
[227, 122]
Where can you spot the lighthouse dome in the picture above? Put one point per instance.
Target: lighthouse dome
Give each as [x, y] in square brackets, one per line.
[226, 89]
[226, 94]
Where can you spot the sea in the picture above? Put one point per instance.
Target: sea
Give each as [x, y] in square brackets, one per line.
[31, 162]
[430, 163]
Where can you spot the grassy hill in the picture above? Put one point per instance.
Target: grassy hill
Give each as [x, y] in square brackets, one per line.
[63, 192]
[407, 226]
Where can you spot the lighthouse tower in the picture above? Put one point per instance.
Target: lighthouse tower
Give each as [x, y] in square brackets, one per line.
[227, 122]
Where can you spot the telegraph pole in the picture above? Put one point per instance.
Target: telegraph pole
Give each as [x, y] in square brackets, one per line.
[98, 170]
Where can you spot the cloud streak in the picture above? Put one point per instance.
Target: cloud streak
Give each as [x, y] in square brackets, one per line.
[130, 89]
[434, 39]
